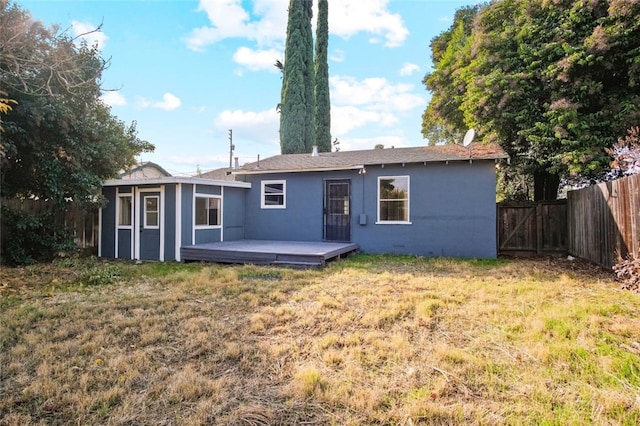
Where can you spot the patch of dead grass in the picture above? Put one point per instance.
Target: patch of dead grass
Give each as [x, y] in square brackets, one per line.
[374, 339]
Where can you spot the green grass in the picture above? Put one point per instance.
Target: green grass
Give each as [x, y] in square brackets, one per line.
[367, 340]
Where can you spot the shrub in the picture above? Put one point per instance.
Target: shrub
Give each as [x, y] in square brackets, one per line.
[101, 275]
[33, 237]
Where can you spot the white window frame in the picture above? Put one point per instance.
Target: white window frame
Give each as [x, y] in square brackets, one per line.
[119, 210]
[408, 199]
[144, 212]
[207, 197]
[263, 184]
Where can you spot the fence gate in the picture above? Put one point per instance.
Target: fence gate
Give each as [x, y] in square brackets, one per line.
[528, 229]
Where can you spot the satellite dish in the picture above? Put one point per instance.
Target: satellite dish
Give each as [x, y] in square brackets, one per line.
[468, 137]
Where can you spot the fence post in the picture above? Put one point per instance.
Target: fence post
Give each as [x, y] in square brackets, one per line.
[539, 237]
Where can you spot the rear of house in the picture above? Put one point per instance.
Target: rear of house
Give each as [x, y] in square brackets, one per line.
[428, 201]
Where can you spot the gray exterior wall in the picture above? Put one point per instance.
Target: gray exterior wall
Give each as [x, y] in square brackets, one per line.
[170, 222]
[302, 219]
[187, 214]
[108, 237]
[452, 210]
[233, 210]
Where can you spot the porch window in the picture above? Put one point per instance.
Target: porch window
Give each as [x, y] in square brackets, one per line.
[273, 194]
[151, 212]
[124, 210]
[393, 200]
[207, 211]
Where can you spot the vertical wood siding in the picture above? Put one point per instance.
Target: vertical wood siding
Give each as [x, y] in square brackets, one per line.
[604, 221]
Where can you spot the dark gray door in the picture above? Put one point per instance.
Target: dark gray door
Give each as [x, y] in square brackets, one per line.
[150, 220]
[337, 210]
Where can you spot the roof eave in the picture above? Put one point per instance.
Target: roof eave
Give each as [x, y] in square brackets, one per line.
[175, 179]
[306, 169]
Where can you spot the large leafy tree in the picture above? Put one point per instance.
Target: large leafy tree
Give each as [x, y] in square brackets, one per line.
[322, 97]
[555, 83]
[297, 98]
[443, 120]
[60, 140]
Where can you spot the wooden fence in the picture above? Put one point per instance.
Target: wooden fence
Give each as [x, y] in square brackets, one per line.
[604, 221]
[529, 229]
[83, 224]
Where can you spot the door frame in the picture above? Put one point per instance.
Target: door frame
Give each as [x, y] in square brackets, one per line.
[138, 195]
[325, 213]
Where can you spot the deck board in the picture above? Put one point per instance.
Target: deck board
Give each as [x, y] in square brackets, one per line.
[296, 253]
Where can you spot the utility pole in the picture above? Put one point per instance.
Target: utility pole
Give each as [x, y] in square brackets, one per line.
[231, 148]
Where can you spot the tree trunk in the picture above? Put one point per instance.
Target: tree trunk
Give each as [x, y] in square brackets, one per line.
[545, 185]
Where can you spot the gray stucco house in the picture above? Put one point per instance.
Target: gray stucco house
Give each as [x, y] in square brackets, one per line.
[428, 201]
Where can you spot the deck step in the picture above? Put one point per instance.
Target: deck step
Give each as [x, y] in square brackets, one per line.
[295, 263]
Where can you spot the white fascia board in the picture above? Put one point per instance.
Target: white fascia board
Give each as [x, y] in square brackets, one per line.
[315, 169]
[175, 179]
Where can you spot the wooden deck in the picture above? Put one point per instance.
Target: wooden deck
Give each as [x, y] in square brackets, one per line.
[267, 252]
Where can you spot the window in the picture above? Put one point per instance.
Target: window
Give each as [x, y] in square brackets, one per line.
[151, 213]
[207, 211]
[124, 210]
[273, 194]
[393, 199]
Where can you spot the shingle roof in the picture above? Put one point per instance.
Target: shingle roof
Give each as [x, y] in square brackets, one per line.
[219, 174]
[353, 159]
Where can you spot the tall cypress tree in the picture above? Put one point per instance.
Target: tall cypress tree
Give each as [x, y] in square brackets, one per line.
[297, 103]
[322, 100]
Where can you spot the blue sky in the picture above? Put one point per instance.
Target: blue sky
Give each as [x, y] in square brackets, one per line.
[187, 71]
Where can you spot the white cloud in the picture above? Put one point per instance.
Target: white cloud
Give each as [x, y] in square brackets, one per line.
[113, 98]
[230, 20]
[86, 31]
[348, 17]
[266, 23]
[408, 69]
[347, 118]
[256, 60]
[369, 102]
[260, 127]
[376, 93]
[169, 102]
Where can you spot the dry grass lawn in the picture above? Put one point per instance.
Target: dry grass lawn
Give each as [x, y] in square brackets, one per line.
[368, 340]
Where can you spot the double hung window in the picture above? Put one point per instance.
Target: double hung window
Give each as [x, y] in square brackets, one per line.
[393, 199]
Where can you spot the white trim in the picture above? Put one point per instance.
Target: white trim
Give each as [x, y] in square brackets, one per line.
[145, 225]
[161, 219]
[308, 169]
[100, 232]
[222, 214]
[133, 222]
[137, 228]
[394, 222]
[115, 234]
[178, 223]
[200, 195]
[175, 179]
[263, 183]
[136, 224]
[119, 206]
[118, 226]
